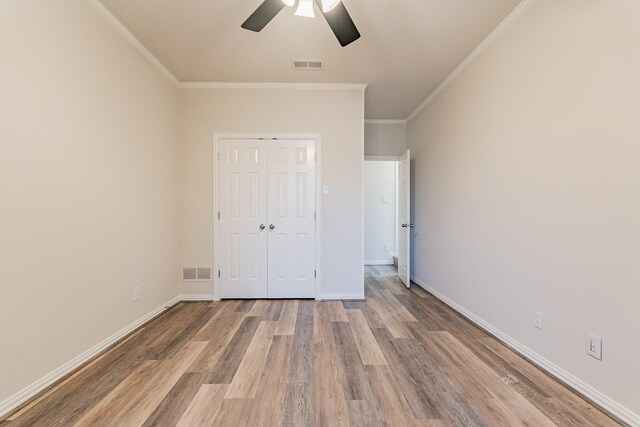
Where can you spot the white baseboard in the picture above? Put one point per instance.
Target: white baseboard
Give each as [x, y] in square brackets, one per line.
[554, 370]
[27, 393]
[196, 297]
[381, 262]
[356, 296]
[335, 296]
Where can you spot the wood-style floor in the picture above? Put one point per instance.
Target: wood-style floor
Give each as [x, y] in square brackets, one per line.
[401, 358]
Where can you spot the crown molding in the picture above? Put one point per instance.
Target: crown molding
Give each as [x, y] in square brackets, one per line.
[133, 40]
[268, 85]
[137, 44]
[385, 122]
[495, 34]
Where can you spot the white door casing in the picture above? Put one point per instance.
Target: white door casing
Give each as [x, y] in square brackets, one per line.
[404, 209]
[243, 211]
[270, 183]
[291, 209]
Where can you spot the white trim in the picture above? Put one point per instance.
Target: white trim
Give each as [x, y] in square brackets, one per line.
[216, 197]
[495, 34]
[554, 370]
[343, 297]
[271, 85]
[197, 297]
[13, 402]
[136, 43]
[384, 122]
[379, 262]
[133, 40]
[362, 256]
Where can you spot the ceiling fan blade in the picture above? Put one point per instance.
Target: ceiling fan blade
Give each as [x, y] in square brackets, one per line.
[263, 15]
[341, 24]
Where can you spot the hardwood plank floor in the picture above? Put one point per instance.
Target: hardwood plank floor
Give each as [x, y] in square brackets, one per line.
[401, 358]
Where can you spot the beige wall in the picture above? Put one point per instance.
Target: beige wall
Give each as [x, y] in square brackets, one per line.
[88, 186]
[526, 192]
[385, 139]
[336, 114]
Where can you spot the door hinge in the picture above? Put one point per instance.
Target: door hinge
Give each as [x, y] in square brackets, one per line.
[315, 215]
[218, 274]
[315, 273]
[218, 156]
[218, 215]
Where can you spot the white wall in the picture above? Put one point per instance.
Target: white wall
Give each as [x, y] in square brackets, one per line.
[385, 138]
[526, 173]
[88, 186]
[337, 115]
[379, 211]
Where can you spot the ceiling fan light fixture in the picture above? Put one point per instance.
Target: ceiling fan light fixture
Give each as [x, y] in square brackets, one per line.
[289, 2]
[305, 8]
[328, 5]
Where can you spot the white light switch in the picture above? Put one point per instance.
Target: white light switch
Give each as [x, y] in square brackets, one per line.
[385, 199]
[325, 190]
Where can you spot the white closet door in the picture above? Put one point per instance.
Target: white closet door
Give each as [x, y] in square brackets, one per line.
[291, 219]
[242, 244]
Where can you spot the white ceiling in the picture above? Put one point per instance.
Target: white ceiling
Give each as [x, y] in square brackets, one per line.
[407, 47]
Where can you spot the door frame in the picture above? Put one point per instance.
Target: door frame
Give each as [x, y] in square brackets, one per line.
[370, 158]
[375, 158]
[267, 136]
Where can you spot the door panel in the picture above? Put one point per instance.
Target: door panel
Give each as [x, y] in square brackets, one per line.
[404, 209]
[291, 204]
[243, 208]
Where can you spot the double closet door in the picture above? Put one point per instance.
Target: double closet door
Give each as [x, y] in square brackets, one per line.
[266, 231]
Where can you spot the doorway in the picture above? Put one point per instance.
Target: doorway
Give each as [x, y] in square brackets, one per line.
[265, 218]
[386, 215]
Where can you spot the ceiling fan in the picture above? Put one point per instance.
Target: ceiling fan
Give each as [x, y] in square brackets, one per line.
[333, 10]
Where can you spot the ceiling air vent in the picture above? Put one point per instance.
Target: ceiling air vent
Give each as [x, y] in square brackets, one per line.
[308, 65]
[193, 274]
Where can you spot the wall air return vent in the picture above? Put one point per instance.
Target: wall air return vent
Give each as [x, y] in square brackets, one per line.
[307, 65]
[196, 274]
[204, 273]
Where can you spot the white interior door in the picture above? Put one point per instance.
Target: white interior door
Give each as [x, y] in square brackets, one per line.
[291, 219]
[243, 233]
[404, 209]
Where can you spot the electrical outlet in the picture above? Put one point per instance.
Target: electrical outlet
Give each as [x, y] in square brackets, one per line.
[594, 346]
[538, 320]
[136, 293]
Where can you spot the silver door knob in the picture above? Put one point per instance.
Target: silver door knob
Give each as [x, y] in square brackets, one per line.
[404, 225]
[262, 226]
[271, 227]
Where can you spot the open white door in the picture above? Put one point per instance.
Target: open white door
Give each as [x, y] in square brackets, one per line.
[404, 220]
